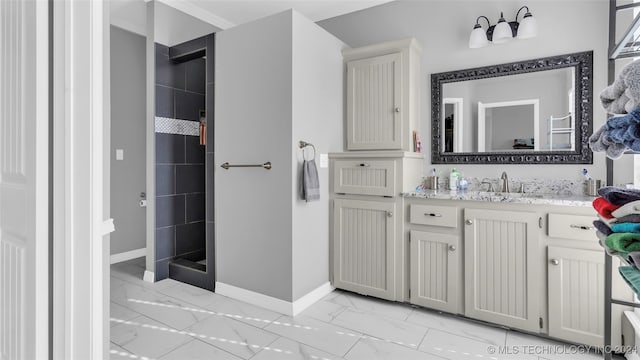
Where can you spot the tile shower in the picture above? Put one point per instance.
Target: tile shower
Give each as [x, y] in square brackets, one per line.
[180, 158]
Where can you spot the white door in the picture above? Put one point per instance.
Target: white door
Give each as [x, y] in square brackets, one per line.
[576, 295]
[24, 178]
[363, 241]
[502, 275]
[374, 117]
[436, 279]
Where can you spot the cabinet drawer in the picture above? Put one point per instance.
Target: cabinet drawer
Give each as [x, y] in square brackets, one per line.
[446, 216]
[574, 227]
[365, 177]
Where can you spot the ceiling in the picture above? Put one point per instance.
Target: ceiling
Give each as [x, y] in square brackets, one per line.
[176, 16]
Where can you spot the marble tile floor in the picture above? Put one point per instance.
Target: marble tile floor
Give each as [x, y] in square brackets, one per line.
[170, 320]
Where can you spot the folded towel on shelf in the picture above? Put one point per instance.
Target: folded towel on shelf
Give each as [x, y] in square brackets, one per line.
[625, 129]
[626, 227]
[632, 276]
[619, 196]
[631, 218]
[634, 258]
[310, 181]
[627, 209]
[624, 94]
[607, 221]
[601, 240]
[600, 141]
[623, 242]
[604, 208]
[602, 227]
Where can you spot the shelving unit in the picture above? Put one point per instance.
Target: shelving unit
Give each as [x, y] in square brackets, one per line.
[628, 47]
[570, 130]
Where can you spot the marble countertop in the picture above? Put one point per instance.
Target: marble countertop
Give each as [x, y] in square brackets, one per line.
[519, 198]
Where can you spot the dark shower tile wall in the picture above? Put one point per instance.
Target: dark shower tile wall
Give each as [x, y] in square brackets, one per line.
[180, 163]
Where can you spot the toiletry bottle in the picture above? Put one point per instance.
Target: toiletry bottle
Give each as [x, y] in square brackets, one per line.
[453, 179]
[462, 183]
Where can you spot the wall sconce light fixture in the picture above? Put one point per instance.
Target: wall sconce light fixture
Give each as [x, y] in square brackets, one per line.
[503, 31]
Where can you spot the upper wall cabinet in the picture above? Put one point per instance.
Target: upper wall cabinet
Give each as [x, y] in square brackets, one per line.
[383, 92]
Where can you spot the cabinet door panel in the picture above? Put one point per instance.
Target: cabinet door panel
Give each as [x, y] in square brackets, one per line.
[373, 103]
[363, 247]
[435, 270]
[502, 272]
[576, 295]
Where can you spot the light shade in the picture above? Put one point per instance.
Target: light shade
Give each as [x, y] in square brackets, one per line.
[478, 38]
[528, 27]
[502, 33]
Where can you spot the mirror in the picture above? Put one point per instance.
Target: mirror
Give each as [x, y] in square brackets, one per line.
[530, 112]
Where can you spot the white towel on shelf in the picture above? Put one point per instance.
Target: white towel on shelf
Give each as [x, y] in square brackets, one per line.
[310, 181]
[627, 209]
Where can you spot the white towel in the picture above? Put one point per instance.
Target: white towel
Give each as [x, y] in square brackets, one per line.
[627, 209]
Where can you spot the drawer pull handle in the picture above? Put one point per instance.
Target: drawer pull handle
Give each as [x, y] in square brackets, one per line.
[469, 222]
[452, 248]
[554, 262]
[433, 214]
[364, 165]
[581, 227]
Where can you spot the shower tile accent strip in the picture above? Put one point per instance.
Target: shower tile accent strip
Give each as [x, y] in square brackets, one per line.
[176, 126]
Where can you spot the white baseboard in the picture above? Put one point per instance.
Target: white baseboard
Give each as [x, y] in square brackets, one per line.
[271, 303]
[128, 255]
[307, 300]
[149, 276]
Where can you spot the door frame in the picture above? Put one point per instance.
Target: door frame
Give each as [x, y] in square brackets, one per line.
[81, 125]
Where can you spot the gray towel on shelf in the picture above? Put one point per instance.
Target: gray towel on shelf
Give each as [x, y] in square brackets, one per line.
[601, 240]
[634, 258]
[310, 181]
[623, 95]
[602, 227]
[619, 196]
[632, 218]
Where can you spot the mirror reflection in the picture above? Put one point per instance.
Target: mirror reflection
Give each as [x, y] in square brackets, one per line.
[534, 111]
[523, 112]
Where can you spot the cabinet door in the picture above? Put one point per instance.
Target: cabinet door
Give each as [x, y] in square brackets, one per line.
[576, 295]
[435, 270]
[501, 267]
[373, 103]
[363, 237]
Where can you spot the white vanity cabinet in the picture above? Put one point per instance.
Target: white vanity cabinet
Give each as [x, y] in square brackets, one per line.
[502, 273]
[576, 294]
[383, 95]
[367, 212]
[363, 240]
[575, 273]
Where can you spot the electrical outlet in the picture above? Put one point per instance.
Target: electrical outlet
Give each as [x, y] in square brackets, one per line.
[119, 154]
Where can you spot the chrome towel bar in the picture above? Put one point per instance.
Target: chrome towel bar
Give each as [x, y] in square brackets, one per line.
[266, 165]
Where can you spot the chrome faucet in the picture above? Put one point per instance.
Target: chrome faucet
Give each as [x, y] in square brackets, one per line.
[505, 182]
[486, 181]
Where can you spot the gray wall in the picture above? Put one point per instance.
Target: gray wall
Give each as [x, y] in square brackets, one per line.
[442, 27]
[128, 99]
[278, 81]
[253, 125]
[317, 118]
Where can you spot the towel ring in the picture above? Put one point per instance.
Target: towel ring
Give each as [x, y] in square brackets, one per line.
[303, 145]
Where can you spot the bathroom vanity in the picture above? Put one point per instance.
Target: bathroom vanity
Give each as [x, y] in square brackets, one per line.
[526, 261]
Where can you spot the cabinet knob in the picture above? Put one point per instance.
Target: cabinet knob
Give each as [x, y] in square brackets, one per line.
[469, 222]
[397, 109]
[389, 213]
[452, 248]
[554, 262]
